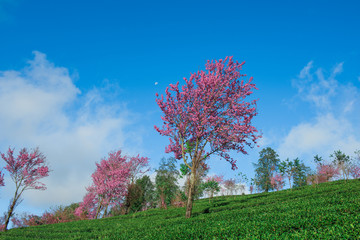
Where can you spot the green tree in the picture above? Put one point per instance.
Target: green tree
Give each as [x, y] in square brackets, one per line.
[343, 163]
[133, 200]
[166, 181]
[268, 163]
[301, 173]
[287, 168]
[148, 193]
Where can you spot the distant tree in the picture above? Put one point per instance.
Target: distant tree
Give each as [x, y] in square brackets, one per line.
[251, 189]
[300, 174]
[355, 172]
[318, 160]
[25, 170]
[57, 215]
[342, 162]
[211, 185]
[326, 172]
[253, 184]
[287, 168]
[211, 115]
[277, 182]
[166, 181]
[148, 192]
[268, 163]
[230, 186]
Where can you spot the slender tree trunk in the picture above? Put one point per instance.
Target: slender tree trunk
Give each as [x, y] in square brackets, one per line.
[10, 212]
[190, 200]
[11, 208]
[211, 195]
[98, 209]
[290, 182]
[106, 208]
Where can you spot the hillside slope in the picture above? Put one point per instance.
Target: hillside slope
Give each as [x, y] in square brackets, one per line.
[329, 211]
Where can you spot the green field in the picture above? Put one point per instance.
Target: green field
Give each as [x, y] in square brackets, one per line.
[330, 211]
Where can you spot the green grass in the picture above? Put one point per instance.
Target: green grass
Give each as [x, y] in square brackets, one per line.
[330, 211]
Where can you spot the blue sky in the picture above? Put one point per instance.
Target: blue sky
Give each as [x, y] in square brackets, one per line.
[78, 80]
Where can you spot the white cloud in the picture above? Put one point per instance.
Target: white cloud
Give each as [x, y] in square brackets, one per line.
[323, 136]
[335, 125]
[41, 106]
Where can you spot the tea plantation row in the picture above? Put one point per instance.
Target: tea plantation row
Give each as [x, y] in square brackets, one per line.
[329, 211]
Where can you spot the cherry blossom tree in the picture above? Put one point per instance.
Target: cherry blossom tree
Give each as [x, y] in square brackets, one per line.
[110, 183]
[355, 172]
[25, 170]
[277, 182]
[326, 172]
[210, 115]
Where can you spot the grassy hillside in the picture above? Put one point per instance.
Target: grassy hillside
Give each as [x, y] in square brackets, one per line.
[330, 211]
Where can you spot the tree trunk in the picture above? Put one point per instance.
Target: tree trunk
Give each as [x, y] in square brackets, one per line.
[98, 208]
[290, 182]
[190, 200]
[12, 206]
[10, 212]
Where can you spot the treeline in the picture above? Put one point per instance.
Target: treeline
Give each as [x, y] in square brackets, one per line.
[272, 174]
[119, 186]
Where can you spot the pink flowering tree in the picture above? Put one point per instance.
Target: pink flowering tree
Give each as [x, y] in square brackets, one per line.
[230, 186]
[209, 115]
[277, 182]
[110, 182]
[211, 185]
[326, 172]
[355, 172]
[25, 170]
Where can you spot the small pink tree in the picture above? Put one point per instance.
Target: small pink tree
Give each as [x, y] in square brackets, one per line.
[26, 170]
[230, 186]
[210, 115]
[355, 172]
[277, 182]
[326, 172]
[110, 182]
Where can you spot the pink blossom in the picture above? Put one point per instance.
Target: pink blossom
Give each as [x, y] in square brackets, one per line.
[26, 170]
[110, 182]
[327, 171]
[355, 172]
[277, 182]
